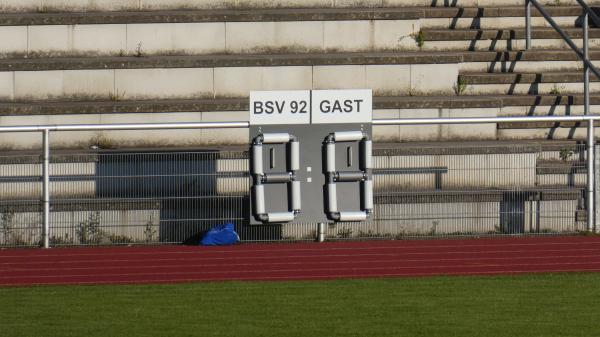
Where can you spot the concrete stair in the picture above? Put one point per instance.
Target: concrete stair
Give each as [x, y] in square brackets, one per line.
[546, 83]
[502, 39]
[45, 6]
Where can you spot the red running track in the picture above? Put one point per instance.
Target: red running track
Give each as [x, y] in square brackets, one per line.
[301, 261]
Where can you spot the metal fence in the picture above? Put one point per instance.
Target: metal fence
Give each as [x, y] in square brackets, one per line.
[104, 197]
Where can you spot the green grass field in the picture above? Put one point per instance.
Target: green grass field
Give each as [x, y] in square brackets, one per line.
[531, 305]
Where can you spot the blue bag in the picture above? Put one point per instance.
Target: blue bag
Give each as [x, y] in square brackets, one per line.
[220, 235]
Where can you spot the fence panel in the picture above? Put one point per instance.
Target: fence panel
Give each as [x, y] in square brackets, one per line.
[150, 197]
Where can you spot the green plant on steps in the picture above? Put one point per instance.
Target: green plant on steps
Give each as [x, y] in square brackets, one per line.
[419, 38]
[461, 86]
[565, 154]
[138, 51]
[116, 96]
[556, 90]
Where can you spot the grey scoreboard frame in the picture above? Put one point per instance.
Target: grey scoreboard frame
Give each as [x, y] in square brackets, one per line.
[312, 173]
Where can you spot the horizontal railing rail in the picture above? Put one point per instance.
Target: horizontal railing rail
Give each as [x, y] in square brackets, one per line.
[243, 125]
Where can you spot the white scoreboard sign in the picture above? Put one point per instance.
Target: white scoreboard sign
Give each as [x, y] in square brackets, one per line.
[280, 107]
[311, 107]
[342, 106]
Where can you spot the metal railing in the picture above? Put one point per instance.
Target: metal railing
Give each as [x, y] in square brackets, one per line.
[582, 54]
[233, 180]
[588, 66]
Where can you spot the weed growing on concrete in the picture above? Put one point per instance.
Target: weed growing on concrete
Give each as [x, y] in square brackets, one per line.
[88, 231]
[433, 228]
[6, 225]
[556, 90]
[116, 238]
[565, 154]
[149, 231]
[43, 9]
[460, 87]
[102, 142]
[312, 236]
[59, 240]
[419, 38]
[138, 51]
[344, 233]
[116, 96]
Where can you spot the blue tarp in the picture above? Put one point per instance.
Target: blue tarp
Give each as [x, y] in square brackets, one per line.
[220, 235]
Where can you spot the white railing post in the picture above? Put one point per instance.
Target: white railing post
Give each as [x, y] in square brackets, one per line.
[590, 176]
[527, 24]
[586, 67]
[321, 232]
[46, 188]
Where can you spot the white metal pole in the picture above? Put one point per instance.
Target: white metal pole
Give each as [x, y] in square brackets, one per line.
[527, 24]
[321, 232]
[591, 206]
[46, 188]
[590, 176]
[586, 67]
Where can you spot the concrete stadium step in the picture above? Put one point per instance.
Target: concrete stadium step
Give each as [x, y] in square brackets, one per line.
[43, 108]
[525, 83]
[515, 78]
[248, 31]
[287, 59]
[501, 34]
[144, 5]
[286, 14]
[502, 39]
[227, 76]
[537, 60]
[467, 59]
